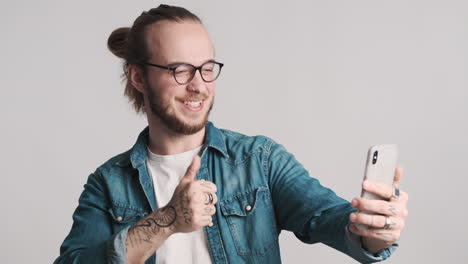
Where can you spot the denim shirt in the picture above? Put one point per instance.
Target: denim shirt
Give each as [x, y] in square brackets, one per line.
[262, 190]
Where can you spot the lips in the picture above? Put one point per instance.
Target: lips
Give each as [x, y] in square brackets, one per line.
[193, 106]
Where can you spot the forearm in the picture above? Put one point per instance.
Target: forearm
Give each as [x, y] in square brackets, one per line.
[146, 236]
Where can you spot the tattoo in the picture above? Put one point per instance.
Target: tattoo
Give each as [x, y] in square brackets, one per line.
[184, 204]
[151, 226]
[392, 210]
[166, 218]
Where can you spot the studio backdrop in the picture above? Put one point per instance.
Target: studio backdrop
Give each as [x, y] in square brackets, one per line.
[326, 79]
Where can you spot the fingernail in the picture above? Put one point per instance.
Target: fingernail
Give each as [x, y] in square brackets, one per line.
[365, 184]
[354, 202]
[352, 216]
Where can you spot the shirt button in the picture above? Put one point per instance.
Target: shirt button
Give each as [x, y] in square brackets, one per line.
[210, 224]
[248, 208]
[119, 218]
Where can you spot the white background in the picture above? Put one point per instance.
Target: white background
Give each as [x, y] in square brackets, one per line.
[326, 79]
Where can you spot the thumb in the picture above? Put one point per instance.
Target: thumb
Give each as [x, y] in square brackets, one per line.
[192, 169]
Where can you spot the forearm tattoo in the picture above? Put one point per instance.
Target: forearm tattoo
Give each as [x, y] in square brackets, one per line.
[146, 229]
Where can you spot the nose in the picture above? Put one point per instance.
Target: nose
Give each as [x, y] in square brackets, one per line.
[196, 84]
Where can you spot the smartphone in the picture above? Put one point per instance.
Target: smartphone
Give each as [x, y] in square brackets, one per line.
[380, 166]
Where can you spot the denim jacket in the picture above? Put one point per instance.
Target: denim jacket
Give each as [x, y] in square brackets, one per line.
[262, 189]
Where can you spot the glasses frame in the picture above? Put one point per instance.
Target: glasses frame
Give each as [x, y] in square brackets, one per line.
[199, 68]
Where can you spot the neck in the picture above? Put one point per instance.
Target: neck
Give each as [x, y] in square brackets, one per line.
[163, 141]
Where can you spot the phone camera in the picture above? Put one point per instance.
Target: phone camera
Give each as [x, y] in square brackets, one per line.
[374, 158]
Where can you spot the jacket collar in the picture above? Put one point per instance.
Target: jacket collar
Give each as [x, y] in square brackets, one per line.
[214, 138]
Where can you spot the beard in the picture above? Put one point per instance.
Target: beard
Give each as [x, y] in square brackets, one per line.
[163, 111]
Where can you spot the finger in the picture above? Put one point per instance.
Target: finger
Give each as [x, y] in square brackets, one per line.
[209, 210]
[206, 198]
[192, 170]
[376, 206]
[208, 186]
[398, 175]
[389, 236]
[375, 221]
[207, 220]
[215, 198]
[381, 189]
[403, 197]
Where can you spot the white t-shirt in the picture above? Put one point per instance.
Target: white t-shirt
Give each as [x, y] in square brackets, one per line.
[167, 171]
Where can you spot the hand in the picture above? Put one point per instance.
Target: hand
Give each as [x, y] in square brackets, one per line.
[377, 238]
[191, 201]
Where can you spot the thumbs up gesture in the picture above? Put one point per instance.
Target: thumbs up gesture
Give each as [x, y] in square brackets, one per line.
[193, 201]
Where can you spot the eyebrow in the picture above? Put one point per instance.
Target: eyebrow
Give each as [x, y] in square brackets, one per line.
[177, 63]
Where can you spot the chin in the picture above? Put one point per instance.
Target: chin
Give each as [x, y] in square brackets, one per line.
[196, 122]
[180, 121]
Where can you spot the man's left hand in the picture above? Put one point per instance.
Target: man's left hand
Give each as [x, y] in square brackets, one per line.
[389, 220]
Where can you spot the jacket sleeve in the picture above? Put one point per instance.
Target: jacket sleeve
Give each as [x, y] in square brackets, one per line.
[90, 239]
[313, 212]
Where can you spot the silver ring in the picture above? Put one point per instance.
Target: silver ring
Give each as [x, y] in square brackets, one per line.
[210, 198]
[388, 222]
[395, 192]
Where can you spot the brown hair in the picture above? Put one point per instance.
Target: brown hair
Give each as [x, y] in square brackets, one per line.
[130, 45]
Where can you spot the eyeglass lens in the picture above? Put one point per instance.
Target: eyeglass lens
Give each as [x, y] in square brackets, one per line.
[185, 72]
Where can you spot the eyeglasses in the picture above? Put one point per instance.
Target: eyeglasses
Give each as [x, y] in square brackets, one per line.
[184, 73]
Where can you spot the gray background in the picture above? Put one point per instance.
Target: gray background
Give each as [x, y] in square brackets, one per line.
[327, 79]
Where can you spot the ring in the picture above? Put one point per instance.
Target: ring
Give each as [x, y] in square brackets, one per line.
[210, 198]
[395, 192]
[388, 222]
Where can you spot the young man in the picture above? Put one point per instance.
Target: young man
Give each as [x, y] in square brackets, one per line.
[188, 192]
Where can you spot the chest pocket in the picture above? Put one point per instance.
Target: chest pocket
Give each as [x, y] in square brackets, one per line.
[123, 216]
[251, 221]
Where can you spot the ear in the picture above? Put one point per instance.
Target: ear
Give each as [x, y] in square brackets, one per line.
[135, 76]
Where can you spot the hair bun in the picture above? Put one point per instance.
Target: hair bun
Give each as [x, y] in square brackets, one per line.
[117, 42]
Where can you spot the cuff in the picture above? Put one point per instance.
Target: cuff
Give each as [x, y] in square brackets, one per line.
[116, 251]
[354, 245]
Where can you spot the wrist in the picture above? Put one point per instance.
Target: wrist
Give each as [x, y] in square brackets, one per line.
[165, 219]
[372, 245]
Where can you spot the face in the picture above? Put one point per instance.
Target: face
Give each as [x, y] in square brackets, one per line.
[183, 109]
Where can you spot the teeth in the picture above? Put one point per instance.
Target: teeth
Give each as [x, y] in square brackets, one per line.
[193, 103]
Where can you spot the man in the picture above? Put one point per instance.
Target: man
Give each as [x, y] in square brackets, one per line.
[188, 192]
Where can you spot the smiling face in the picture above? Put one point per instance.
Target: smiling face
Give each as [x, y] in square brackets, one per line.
[183, 109]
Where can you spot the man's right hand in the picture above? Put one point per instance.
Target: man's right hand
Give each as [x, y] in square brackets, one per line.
[189, 209]
[191, 201]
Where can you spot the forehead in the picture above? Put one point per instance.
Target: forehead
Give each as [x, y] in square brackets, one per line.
[185, 41]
